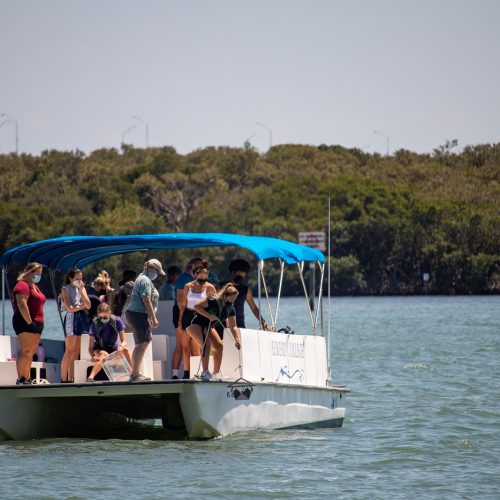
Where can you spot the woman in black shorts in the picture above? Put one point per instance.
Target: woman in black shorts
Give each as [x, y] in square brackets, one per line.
[207, 327]
[192, 293]
[28, 318]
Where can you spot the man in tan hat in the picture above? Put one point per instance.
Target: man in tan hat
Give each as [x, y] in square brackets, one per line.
[141, 313]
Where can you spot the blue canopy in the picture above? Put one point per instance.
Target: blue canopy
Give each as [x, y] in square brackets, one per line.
[67, 252]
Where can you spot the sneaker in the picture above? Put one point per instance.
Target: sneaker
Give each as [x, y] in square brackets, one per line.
[90, 380]
[23, 381]
[139, 378]
[40, 381]
[205, 376]
[175, 377]
[217, 376]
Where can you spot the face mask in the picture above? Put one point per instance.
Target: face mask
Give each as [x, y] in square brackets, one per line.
[151, 275]
[105, 320]
[37, 278]
[201, 281]
[77, 283]
[238, 279]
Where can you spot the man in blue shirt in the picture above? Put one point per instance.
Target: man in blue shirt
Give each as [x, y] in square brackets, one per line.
[167, 290]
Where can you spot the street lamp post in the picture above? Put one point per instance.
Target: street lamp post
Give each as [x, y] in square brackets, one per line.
[126, 132]
[247, 142]
[386, 140]
[12, 120]
[270, 133]
[146, 127]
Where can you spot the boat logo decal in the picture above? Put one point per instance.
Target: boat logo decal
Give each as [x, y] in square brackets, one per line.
[240, 390]
[284, 372]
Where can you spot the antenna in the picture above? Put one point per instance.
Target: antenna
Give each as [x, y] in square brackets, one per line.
[329, 280]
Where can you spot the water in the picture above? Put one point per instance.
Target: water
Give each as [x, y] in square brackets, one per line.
[423, 421]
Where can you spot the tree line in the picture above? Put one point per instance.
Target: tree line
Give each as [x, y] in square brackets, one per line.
[402, 224]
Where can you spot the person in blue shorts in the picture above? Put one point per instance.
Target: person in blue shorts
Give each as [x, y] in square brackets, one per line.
[107, 335]
[76, 303]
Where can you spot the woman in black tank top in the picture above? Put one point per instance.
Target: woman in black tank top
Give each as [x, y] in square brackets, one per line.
[207, 326]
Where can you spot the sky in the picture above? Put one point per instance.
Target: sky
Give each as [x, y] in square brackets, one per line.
[359, 73]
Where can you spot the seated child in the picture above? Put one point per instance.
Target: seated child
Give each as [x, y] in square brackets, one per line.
[107, 335]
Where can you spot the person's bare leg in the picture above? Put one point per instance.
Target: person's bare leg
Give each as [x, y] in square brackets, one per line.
[196, 333]
[177, 356]
[98, 366]
[137, 357]
[186, 350]
[28, 342]
[217, 345]
[70, 355]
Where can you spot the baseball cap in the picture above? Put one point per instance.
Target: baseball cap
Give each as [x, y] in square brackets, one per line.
[155, 264]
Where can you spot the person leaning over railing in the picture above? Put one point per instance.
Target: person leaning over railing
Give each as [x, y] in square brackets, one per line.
[28, 318]
[208, 324]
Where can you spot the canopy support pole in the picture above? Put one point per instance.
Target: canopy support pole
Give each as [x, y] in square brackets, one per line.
[282, 266]
[300, 266]
[320, 294]
[259, 290]
[53, 283]
[273, 323]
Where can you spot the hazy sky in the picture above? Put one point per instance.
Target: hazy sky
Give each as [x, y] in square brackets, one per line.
[204, 72]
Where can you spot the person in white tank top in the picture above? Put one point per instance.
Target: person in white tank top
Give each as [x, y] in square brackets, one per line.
[193, 297]
[192, 292]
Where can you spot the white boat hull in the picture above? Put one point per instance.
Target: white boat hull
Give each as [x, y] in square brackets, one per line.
[164, 410]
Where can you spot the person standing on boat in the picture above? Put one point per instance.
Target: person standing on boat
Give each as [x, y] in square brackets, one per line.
[76, 322]
[192, 293]
[239, 269]
[28, 303]
[167, 290]
[122, 298]
[207, 327]
[96, 293]
[184, 347]
[107, 335]
[141, 314]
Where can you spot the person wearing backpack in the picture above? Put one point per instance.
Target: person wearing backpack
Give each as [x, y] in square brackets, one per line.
[107, 335]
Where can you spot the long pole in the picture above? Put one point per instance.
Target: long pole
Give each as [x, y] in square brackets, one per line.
[329, 290]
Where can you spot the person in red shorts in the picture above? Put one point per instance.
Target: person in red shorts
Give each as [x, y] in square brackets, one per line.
[28, 302]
